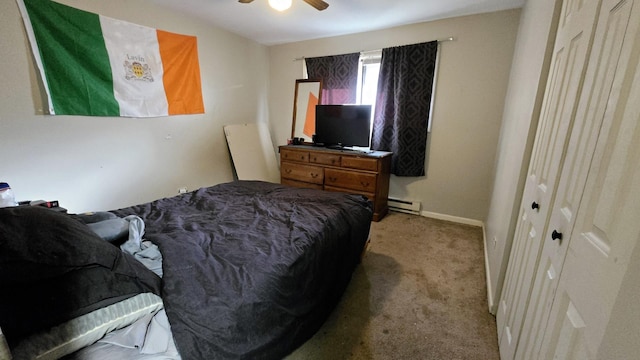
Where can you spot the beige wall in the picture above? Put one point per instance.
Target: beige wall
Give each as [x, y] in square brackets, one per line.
[472, 83]
[520, 118]
[93, 163]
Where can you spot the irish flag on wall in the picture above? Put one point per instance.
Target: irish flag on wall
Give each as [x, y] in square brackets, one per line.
[99, 66]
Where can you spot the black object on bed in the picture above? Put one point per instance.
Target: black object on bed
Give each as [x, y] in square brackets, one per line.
[54, 268]
[252, 269]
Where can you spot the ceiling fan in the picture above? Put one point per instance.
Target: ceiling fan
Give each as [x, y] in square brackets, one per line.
[318, 4]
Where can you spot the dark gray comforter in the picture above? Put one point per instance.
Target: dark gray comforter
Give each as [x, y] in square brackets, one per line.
[252, 269]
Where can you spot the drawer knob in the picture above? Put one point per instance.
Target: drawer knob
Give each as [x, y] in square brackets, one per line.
[288, 171]
[314, 175]
[302, 157]
[364, 183]
[555, 235]
[333, 179]
[535, 206]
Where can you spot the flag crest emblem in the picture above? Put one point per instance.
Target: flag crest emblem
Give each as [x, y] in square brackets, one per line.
[137, 71]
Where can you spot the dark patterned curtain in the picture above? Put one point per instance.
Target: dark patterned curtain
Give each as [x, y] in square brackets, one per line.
[339, 74]
[402, 106]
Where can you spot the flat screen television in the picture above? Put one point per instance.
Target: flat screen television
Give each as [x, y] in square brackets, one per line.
[343, 125]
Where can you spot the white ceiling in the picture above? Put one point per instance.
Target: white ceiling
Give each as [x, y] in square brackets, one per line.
[259, 22]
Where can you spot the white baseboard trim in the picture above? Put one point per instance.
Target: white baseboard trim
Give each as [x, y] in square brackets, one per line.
[452, 218]
[487, 272]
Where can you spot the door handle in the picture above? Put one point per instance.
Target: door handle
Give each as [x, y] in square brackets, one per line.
[556, 235]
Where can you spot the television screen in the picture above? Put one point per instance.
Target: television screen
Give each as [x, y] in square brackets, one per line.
[343, 125]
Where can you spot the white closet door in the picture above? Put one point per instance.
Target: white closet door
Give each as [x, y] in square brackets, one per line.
[568, 64]
[599, 100]
[607, 226]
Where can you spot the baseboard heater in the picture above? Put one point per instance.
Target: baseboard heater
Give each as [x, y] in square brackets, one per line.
[405, 206]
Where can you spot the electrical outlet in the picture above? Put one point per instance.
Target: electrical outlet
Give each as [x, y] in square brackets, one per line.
[182, 190]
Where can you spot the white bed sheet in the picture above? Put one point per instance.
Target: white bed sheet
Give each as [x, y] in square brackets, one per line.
[149, 338]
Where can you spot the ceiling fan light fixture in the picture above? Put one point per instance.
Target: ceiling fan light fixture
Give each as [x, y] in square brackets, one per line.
[280, 5]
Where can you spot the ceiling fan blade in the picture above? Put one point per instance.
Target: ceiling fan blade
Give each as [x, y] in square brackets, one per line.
[245, 1]
[318, 4]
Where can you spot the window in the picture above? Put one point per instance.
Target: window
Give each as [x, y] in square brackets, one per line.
[368, 79]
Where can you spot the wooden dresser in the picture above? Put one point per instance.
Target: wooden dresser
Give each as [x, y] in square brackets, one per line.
[338, 170]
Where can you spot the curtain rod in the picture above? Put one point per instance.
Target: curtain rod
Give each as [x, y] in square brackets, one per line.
[450, 38]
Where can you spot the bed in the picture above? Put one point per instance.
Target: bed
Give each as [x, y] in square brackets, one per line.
[249, 270]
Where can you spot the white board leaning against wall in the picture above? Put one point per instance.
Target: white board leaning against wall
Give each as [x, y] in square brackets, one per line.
[252, 152]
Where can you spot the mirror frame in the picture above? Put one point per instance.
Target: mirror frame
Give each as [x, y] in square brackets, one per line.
[303, 103]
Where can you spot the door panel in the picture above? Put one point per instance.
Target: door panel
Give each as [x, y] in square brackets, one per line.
[607, 228]
[572, 46]
[594, 102]
[592, 201]
[570, 340]
[517, 275]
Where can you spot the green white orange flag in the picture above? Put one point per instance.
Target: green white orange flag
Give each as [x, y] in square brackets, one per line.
[98, 66]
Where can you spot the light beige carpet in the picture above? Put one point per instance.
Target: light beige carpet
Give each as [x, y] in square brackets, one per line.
[419, 293]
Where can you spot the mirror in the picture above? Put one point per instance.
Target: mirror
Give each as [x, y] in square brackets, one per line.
[307, 95]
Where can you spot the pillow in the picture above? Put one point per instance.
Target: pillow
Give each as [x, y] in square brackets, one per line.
[111, 230]
[94, 216]
[106, 225]
[85, 330]
[53, 268]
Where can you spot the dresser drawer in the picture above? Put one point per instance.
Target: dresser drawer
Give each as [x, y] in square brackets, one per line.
[300, 172]
[370, 196]
[324, 159]
[301, 184]
[361, 163]
[351, 180]
[292, 155]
